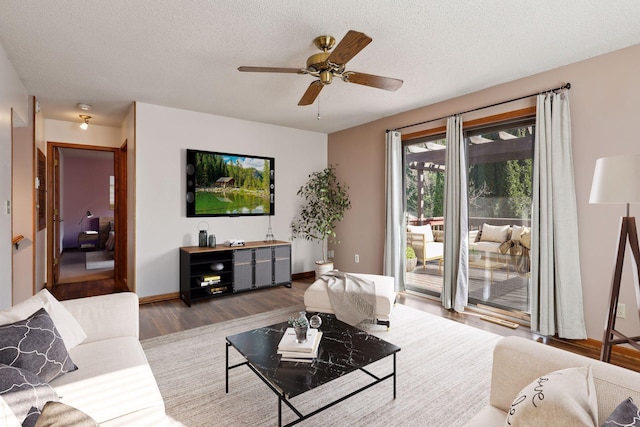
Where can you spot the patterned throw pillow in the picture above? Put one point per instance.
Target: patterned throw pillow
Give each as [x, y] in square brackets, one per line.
[561, 398]
[35, 345]
[626, 414]
[23, 396]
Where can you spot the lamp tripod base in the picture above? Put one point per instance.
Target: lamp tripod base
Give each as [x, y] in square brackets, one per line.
[628, 231]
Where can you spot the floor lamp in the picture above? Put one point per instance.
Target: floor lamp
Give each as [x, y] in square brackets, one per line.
[617, 180]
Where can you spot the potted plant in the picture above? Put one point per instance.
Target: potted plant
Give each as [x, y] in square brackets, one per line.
[474, 255]
[412, 260]
[326, 201]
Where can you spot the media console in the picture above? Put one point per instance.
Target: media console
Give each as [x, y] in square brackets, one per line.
[210, 272]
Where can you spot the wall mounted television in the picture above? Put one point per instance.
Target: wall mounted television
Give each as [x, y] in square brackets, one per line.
[225, 184]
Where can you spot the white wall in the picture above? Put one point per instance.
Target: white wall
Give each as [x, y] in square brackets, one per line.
[70, 132]
[12, 95]
[162, 136]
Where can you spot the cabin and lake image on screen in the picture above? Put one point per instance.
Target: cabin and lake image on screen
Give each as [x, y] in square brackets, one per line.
[227, 184]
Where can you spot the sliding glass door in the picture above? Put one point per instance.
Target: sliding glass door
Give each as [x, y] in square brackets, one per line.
[500, 186]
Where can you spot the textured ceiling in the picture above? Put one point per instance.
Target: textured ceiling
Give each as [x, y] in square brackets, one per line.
[185, 54]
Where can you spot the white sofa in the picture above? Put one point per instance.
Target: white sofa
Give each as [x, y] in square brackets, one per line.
[517, 362]
[113, 383]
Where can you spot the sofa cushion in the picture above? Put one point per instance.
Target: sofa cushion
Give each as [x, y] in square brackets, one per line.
[68, 327]
[35, 344]
[565, 398]
[57, 414]
[494, 233]
[112, 370]
[626, 414]
[22, 396]
[422, 229]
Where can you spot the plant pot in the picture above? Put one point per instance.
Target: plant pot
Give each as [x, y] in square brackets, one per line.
[475, 257]
[411, 264]
[301, 334]
[323, 267]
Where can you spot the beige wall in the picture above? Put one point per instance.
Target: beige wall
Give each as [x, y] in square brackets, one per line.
[604, 111]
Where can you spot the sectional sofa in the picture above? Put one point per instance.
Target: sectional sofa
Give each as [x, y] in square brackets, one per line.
[112, 383]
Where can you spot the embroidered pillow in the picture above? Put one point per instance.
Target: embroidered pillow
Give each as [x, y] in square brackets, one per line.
[22, 396]
[626, 414]
[34, 344]
[561, 398]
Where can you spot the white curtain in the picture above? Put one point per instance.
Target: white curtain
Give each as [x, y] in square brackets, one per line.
[455, 289]
[395, 240]
[556, 284]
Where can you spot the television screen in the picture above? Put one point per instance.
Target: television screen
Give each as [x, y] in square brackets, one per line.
[224, 184]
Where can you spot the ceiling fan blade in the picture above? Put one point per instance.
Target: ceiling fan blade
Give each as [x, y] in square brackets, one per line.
[386, 83]
[312, 93]
[349, 47]
[271, 70]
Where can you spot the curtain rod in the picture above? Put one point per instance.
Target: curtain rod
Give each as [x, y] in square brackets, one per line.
[565, 86]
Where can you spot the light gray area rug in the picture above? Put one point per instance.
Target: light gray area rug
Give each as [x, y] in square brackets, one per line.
[99, 259]
[443, 377]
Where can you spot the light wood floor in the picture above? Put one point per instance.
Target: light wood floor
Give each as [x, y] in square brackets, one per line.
[160, 318]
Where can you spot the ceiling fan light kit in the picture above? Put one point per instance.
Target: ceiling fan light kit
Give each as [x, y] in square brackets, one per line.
[327, 65]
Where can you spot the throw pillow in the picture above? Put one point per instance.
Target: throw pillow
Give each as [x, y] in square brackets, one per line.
[34, 344]
[57, 414]
[516, 232]
[494, 233]
[561, 398]
[626, 414]
[23, 396]
[71, 331]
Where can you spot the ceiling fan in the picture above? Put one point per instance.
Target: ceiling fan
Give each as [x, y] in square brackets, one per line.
[327, 65]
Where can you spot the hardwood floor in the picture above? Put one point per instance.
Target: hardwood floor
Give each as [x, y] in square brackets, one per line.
[165, 317]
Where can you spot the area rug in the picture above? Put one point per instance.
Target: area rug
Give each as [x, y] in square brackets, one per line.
[99, 259]
[443, 369]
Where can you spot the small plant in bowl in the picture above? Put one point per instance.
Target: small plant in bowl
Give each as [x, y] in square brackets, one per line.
[297, 322]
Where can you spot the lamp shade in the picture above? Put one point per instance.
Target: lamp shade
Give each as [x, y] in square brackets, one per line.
[616, 179]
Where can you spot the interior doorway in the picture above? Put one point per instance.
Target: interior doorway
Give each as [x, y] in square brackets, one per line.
[83, 190]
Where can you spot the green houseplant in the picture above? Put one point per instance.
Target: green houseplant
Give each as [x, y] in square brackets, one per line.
[325, 202]
[412, 260]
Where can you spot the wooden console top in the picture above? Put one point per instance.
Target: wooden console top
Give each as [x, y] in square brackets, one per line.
[222, 247]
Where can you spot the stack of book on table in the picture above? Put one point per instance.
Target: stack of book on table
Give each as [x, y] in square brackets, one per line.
[293, 351]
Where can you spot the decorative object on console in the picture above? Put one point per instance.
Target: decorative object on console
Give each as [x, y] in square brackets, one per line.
[617, 180]
[326, 200]
[202, 234]
[234, 242]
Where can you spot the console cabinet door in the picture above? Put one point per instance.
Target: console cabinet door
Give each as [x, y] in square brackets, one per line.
[242, 270]
[263, 273]
[282, 264]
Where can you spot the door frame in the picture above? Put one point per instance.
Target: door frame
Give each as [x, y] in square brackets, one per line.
[53, 201]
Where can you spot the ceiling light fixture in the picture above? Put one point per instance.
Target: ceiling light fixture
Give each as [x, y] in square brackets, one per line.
[84, 107]
[85, 125]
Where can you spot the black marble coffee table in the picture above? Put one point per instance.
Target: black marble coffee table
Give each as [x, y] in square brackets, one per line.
[343, 349]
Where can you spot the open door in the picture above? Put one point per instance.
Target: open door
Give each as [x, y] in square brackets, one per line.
[53, 219]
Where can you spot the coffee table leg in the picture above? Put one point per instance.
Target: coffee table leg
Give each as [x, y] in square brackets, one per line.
[226, 374]
[279, 411]
[394, 375]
